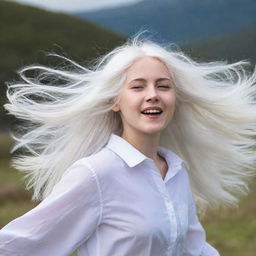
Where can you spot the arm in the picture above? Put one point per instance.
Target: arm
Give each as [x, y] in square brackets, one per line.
[61, 222]
[195, 242]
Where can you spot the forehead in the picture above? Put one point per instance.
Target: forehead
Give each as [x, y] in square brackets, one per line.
[147, 67]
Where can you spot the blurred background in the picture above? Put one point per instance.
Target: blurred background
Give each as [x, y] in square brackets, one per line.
[82, 30]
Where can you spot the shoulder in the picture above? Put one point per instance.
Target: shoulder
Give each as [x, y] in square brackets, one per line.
[79, 178]
[98, 164]
[103, 170]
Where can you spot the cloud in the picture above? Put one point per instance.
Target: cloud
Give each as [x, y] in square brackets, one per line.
[76, 5]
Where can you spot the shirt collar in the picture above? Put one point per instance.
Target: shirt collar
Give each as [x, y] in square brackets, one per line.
[133, 157]
[125, 150]
[173, 160]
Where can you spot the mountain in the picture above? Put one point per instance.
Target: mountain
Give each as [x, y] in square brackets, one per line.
[181, 21]
[234, 47]
[28, 33]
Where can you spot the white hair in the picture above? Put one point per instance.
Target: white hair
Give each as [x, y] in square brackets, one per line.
[213, 128]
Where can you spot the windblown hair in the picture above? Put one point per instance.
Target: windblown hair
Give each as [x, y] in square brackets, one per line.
[213, 128]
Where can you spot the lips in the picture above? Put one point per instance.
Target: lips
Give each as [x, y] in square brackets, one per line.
[154, 110]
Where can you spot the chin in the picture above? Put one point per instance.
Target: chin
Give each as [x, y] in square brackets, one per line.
[152, 131]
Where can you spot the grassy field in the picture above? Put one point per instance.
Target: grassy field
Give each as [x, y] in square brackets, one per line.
[231, 231]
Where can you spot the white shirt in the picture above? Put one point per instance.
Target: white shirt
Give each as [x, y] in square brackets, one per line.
[113, 203]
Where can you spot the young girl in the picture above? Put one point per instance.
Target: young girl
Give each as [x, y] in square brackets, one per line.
[121, 152]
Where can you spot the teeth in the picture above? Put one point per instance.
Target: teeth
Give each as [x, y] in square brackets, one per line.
[152, 111]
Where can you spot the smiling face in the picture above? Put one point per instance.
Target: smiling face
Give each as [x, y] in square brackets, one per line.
[147, 99]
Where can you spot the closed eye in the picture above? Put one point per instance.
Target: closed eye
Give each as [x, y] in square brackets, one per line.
[164, 86]
[137, 87]
[159, 86]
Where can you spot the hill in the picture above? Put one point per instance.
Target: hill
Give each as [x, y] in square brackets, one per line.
[178, 20]
[27, 33]
[234, 47]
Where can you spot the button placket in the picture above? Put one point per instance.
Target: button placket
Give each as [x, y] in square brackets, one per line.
[168, 204]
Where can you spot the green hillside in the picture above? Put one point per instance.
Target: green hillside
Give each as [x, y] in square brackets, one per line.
[234, 47]
[27, 33]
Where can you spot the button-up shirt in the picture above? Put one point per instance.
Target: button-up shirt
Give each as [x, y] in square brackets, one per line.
[113, 203]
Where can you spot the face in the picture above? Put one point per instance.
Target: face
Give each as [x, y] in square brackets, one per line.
[147, 99]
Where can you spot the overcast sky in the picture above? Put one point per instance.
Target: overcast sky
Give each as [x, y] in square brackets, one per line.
[76, 5]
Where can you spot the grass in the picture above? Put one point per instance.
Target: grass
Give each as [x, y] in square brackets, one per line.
[231, 231]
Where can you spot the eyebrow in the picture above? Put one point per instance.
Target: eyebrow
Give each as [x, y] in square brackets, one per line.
[144, 80]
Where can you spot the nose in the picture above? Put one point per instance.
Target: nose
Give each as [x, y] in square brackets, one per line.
[151, 94]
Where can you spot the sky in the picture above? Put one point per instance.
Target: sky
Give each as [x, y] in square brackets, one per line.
[76, 5]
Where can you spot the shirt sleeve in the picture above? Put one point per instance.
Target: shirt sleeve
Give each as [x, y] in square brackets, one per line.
[195, 242]
[61, 222]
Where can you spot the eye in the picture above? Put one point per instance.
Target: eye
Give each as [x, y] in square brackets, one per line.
[164, 86]
[137, 87]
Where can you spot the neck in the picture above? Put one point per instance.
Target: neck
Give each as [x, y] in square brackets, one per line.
[146, 144]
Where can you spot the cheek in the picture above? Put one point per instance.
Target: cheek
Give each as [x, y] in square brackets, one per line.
[129, 103]
[170, 104]
[170, 100]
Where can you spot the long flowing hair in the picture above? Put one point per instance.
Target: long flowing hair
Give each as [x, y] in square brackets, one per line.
[69, 115]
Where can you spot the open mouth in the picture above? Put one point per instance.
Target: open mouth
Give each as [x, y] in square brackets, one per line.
[152, 112]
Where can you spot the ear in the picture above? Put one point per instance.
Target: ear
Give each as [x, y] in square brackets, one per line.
[116, 108]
